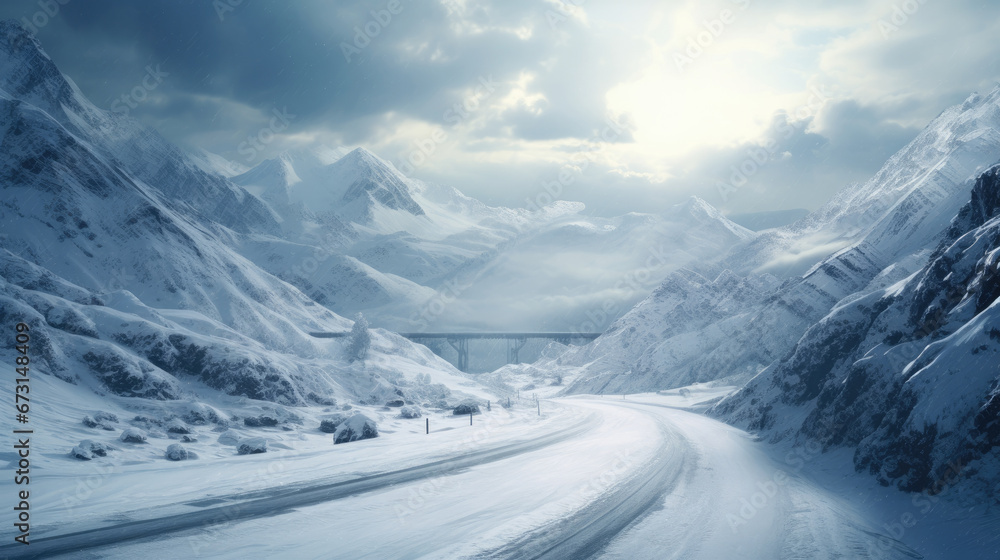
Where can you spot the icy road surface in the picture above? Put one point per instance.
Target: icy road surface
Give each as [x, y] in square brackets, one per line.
[607, 478]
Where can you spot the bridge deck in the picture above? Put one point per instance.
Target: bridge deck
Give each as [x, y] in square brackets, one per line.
[477, 335]
[460, 341]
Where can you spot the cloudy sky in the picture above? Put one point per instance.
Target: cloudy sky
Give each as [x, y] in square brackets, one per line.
[626, 106]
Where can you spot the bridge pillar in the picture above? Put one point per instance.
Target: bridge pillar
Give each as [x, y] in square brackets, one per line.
[461, 345]
[514, 346]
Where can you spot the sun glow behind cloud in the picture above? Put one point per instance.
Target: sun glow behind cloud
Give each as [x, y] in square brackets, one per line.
[561, 67]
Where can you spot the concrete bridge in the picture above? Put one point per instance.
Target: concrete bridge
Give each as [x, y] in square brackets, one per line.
[460, 340]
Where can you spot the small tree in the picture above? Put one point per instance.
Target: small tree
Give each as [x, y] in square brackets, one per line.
[361, 339]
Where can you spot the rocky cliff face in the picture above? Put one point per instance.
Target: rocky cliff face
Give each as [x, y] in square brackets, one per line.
[908, 375]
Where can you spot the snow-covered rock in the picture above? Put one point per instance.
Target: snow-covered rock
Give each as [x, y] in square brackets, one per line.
[229, 437]
[250, 446]
[104, 420]
[329, 424]
[133, 435]
[88, 449]
[176, 452]
[262, 421]
[410, 411]
[355, 428]
[177, 426]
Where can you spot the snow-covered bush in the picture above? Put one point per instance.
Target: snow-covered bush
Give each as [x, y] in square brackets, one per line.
[468, 407]
[176, 452]
[133, 435]
[361, 339]
[250, 446]
[410, 412]
[354, 428]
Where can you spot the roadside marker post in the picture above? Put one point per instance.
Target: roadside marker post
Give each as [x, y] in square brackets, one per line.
[428, 425]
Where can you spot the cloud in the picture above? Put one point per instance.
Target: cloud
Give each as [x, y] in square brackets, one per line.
[559, 70]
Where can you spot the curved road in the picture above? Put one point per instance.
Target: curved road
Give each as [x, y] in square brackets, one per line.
[631, 481]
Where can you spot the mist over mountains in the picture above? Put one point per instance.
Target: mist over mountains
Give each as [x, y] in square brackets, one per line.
[164, 282]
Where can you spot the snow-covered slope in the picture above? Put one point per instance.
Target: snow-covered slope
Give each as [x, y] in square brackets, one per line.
[902, 207]
[908, 374]
[878, 232]
[123, 255]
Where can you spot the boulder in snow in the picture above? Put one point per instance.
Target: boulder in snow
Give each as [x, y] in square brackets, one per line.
[329, 425]
[355, 428]
[229, 437]
[88, 449]
[133, 435]
[176, 452]
[410, 411]
[250, 446]
[262, 421]
[103, 420]
[176, 426]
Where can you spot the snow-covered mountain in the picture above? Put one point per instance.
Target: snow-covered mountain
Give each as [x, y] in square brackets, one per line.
[418, 256]
[875, 233]
[908, 374]
[124, 256]
[888, 346]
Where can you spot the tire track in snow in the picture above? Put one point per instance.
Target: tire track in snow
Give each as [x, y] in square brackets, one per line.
[585, 533]
[280, 501]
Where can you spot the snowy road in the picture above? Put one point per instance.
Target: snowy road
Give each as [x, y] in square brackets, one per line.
[627, 480]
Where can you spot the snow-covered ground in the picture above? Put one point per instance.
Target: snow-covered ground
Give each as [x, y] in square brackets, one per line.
[634, 476]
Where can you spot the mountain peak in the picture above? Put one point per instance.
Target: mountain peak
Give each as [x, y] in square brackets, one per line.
[372, 178]
[27, 72]
[365, 159]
